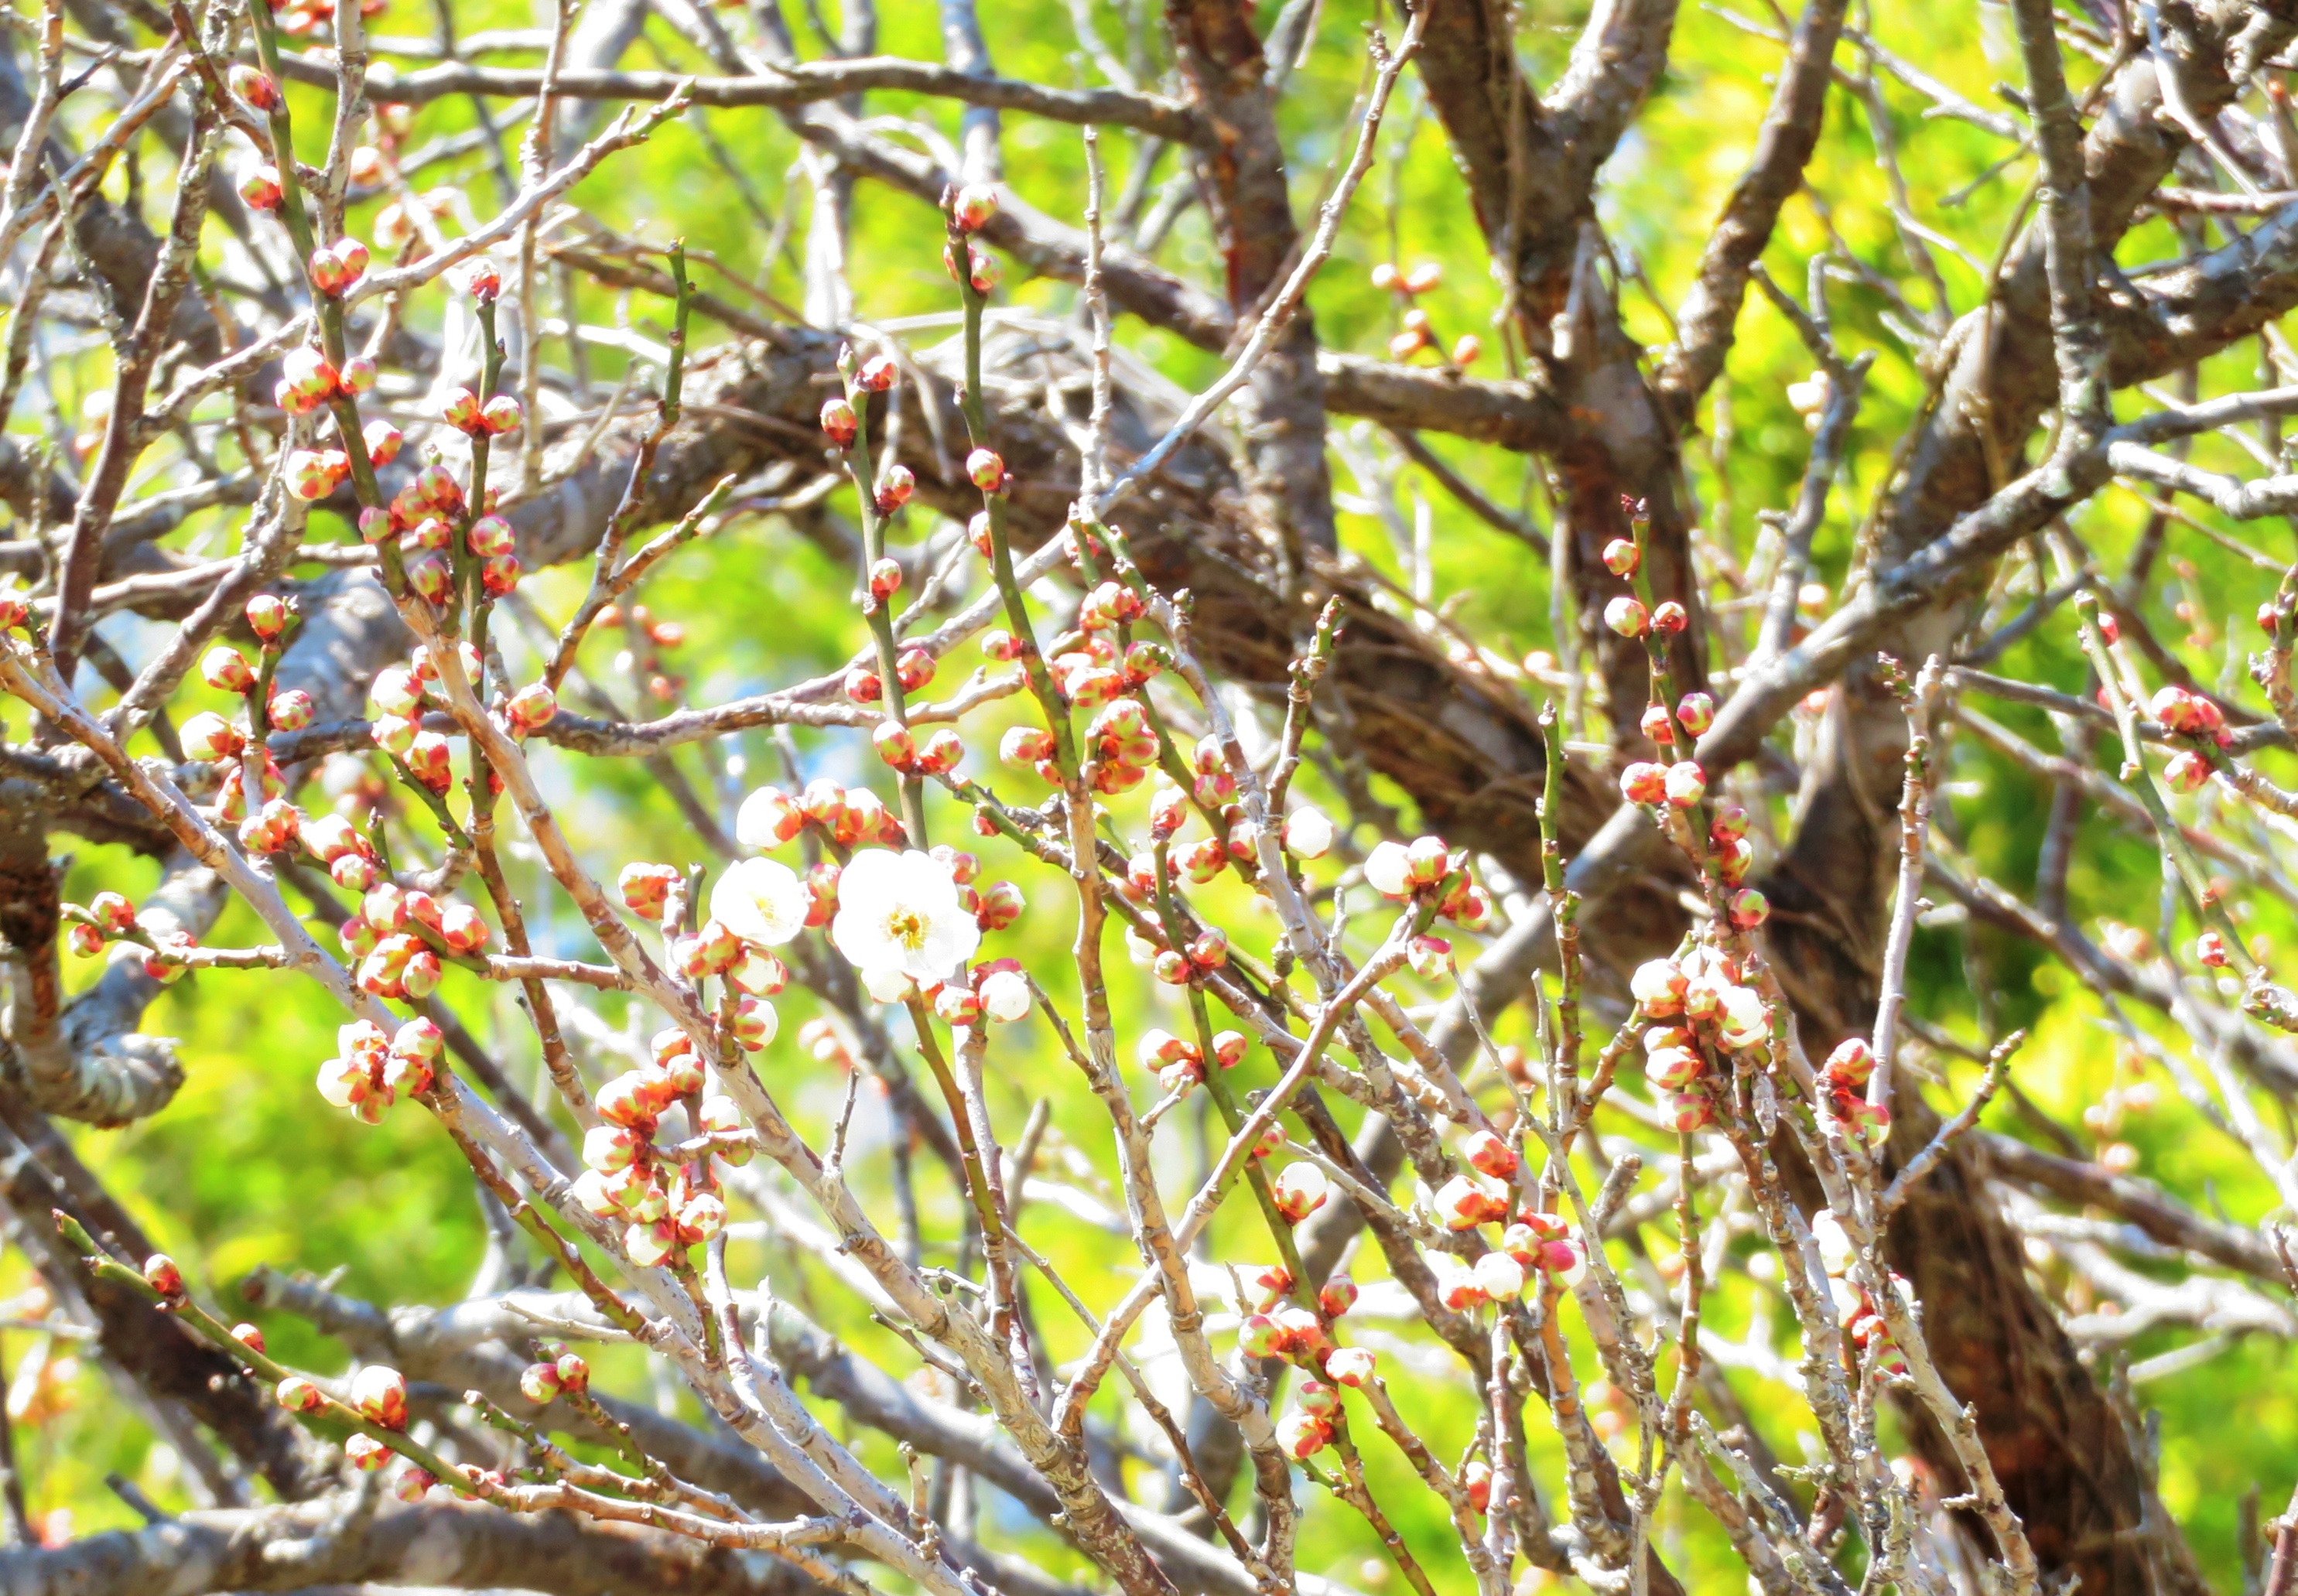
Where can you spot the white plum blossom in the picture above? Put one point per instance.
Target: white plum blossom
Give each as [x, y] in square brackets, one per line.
[900, 912]
[761, 901]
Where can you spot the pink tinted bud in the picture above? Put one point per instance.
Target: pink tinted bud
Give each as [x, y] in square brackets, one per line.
[460, 410]
[226, 670]
[895, 489]
[358, 375]
[1300, 1191]
[2210, 948]
[255, 86]
[161, 1275]
[299, 1395]
[261, 190]
[2187, 771]
[986, 470]
[1669, 618]
[292, 710]
[1259, 1336]
[1625, 616]
[1686, 784]
[1749, 908]
[207, 735]
[1621, 558]
[380, 1394]
[1487, 1154]
[1643, 782]
[502, 415]
[489, 536]
[1302, 1435]
[974, 206]
[430, 579]
[366, 1453]
[839, 423]
[1656, 724]
[1697, 712]
[895, 744]
[1338, 1296]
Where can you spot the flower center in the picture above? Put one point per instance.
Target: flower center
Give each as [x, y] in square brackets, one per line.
[907, 927]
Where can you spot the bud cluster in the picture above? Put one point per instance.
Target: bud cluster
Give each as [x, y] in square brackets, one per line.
[664, 1207]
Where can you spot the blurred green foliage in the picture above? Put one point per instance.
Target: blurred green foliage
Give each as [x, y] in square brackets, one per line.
[248, 1167]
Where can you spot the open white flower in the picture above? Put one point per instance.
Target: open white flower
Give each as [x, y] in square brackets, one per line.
[900, 911]
[761, 901]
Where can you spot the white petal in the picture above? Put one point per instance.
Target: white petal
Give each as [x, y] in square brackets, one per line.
[885, 983]
[761, 901]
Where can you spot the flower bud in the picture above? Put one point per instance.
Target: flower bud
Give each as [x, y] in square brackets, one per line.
[261, 190]
[299, 1395]
[986, 470]
[380, 1394]
[290, 711]
[366, 1453]
[207, 735]
[226, 670]
[895, 744]
[895, 488]
[1487, 1154]
[256, 86]
[1643, 782]
[2187, 771]
[1668, 618]
[839, 423]
[1749, 908]
[1625, 616]
[1300, 1191]
[1302, 1435]
[1351, 1365]
[502, 415]
[161, 1275]
[1621, 558]
[1686, 784]
[974, 206]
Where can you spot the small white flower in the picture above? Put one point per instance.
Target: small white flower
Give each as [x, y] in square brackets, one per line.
[761, 901]
[1743, 1024]
[1388, 870]
[1308, 834]
[1005, 995]
[900, 911]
